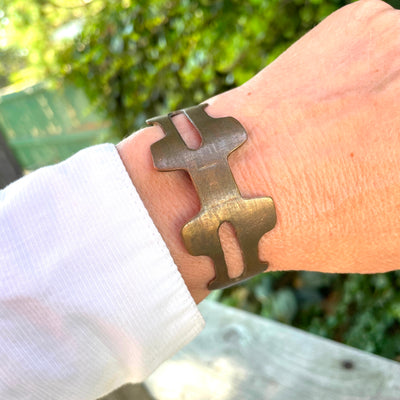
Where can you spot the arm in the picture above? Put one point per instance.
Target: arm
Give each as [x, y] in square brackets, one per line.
[324, 142]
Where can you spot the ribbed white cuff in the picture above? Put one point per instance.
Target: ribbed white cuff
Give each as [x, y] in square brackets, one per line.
[90, 297]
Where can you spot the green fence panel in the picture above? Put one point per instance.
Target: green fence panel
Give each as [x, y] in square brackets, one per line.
[43, 125]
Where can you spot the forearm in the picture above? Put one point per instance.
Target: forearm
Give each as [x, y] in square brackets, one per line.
[337, 212]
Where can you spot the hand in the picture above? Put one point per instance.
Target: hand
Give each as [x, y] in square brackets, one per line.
[324, 143]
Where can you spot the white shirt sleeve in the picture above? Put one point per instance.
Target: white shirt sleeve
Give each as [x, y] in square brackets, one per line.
[90, 298]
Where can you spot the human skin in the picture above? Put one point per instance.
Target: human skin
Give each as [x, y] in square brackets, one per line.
[323, 126]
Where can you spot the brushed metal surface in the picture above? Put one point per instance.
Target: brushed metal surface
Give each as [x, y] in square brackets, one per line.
[220, 198]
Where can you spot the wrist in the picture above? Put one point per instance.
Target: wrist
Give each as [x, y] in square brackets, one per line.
[175, 201]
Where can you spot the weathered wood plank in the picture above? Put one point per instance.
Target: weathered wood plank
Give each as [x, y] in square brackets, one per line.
[9, 168]
[242, 356]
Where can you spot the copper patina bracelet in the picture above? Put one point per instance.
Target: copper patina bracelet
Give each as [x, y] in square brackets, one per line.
[220, 198]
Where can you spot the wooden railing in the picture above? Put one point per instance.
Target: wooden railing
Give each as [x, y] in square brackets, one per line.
[240, 356]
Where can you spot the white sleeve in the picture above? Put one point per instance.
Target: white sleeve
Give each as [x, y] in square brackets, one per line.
[90, 297]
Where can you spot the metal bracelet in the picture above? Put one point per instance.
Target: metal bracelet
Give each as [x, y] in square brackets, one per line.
[220, 198]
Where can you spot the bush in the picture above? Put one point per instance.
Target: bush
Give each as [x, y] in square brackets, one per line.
[137, 61]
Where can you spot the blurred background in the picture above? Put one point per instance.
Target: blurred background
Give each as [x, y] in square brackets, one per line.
[78, 72]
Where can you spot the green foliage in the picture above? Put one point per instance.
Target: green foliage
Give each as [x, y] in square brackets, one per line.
[366, 315]
[139, 59]
[12, 59]
[29, 29]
